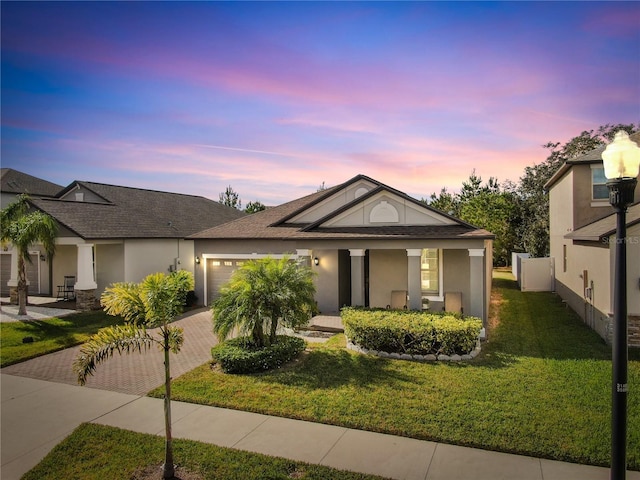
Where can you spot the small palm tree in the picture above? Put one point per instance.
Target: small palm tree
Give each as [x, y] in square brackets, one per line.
[261, 294]
[24, 228]
[156, 301]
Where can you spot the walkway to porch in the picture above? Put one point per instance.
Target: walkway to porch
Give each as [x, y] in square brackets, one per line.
[326, 323]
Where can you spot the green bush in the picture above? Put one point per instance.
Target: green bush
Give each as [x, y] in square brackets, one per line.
[411, 332]
[240, 355]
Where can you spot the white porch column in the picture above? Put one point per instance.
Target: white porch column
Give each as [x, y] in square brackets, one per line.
[13, 279]
[12, 283]
[477, 283]
[86, 277]
[414, 282]
[357, 276]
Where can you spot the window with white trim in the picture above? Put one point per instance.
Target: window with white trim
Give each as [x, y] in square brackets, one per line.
[430, 271]
[599, 190]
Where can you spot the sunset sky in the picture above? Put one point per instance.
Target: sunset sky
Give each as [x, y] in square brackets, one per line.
[275, 98]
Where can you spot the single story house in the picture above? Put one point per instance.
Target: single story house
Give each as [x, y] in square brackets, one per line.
[582, 227]
[111, 233]
[12, 184]
[370, 245]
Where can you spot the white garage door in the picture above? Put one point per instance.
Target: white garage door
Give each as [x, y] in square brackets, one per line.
[218, 273]
[32, 273]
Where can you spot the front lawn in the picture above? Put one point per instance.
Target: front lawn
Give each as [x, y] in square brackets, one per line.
[96, 452]
[541, 387]
[49, 335]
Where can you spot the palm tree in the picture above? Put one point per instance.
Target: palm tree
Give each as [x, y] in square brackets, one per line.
[262, 293]
[24, 228]
[156, 301]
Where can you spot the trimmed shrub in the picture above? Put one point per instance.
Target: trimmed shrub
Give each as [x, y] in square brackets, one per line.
[240, 355]
[411, 332]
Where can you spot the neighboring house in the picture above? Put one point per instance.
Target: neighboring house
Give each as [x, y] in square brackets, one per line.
[367, 242]
[12, 184]
[582, 227]
[112, 234]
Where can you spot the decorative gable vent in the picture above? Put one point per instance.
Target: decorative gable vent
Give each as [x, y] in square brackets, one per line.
[79, 196]
[361, 191]
[383, 213]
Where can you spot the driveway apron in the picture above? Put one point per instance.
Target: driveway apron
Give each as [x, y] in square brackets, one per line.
[131, 373]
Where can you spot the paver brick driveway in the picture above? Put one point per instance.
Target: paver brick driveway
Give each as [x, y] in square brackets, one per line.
[132, 373]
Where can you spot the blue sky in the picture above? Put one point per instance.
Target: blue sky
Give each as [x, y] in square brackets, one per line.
[275, 98]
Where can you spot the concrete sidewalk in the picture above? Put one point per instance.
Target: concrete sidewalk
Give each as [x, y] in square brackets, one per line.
[37, 414]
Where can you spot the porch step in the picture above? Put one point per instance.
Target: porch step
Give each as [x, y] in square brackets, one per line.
[323, 328]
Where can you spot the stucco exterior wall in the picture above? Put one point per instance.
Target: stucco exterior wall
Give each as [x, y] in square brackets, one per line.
[387, 272]
[109, 265]
[455, 277]
[585, 209]
[326, 280]
[65, 262]
[560, 219]
[633, 268]
[143, 257]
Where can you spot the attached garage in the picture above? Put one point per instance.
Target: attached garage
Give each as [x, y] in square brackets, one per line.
[218, 269]
[219, 272]
[33, 273]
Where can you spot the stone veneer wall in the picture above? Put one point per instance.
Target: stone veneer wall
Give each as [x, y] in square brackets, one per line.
[13, 295]
[633, 325]
[86, 300]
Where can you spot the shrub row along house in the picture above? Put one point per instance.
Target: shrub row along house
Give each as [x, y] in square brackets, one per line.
[370, 245]
[582, 237]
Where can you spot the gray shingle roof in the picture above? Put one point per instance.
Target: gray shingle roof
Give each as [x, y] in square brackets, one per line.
[600, 229]
[13, 181]
[136, 213]
[271, 224]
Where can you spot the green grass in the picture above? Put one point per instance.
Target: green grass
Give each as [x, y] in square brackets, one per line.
[97, 452]
[49, 335]
[541, 387]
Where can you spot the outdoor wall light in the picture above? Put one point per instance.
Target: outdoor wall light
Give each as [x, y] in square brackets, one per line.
[197, 260]
[42, 258]
[316, 261]
[621, 161]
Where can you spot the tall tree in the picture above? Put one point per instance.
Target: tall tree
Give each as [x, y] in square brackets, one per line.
[156, 301]
[262, 294]
[445, 202]
[230, 198]
[497, 212]
[24, 228]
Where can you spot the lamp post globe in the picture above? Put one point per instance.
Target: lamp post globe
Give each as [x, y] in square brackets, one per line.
[621, 161]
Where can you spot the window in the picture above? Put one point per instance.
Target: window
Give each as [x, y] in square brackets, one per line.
[429, 271]
[599, 190]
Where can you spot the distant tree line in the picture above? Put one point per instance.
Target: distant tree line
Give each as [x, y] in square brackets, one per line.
[518, 213]
[231, 198]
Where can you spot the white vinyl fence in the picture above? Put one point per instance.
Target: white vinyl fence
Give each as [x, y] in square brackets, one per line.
[536, 274]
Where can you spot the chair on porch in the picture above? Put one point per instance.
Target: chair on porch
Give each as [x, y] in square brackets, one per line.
[67, 291]
[453, 302]
[398, 300]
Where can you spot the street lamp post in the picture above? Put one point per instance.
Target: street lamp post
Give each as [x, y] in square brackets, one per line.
[621, 161]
